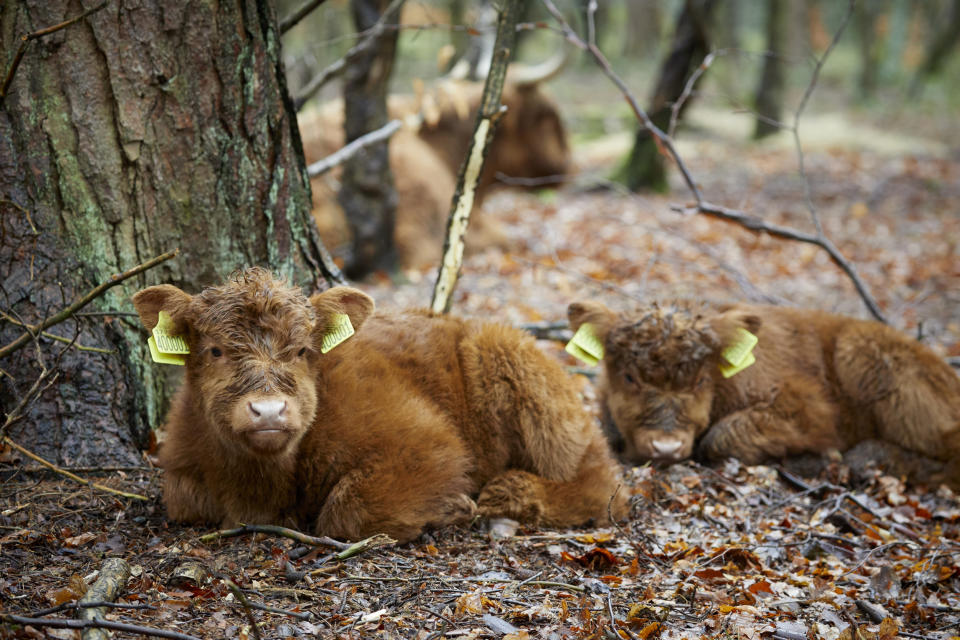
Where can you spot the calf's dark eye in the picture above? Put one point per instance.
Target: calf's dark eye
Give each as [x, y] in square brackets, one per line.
[302, 352]
[216, 352]
[629, 378]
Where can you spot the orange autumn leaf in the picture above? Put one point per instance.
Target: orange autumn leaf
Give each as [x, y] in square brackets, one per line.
[650, 629]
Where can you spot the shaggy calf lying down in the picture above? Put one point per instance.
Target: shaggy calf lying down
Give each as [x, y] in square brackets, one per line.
[814, 381]
[416, 420]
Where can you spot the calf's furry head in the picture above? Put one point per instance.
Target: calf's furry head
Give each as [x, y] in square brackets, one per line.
[253, 342]
[660, 362]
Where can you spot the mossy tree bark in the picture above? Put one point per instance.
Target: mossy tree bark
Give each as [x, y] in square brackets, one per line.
[644, 168]
[140, 128]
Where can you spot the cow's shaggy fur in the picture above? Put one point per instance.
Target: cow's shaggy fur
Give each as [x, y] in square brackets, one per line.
[530, 142]
[821, 381]
[417, 420]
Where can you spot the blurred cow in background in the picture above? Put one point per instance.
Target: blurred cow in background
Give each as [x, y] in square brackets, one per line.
[530, 143]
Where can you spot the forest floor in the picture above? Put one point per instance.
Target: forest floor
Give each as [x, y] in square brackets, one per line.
[726, 552]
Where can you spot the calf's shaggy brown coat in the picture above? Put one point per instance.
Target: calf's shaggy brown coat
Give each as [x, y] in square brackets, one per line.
[821, 381]
[417, 420]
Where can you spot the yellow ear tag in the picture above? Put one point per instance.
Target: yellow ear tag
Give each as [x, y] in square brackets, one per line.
[585, 345]
[739, 354]
[165, 347]
[341, 330]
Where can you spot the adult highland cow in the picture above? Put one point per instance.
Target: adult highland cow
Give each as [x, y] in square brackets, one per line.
[530, 143]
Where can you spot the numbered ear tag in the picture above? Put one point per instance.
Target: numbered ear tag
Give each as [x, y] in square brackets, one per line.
[585, 345]
[166, 347]
[739, 354]
[341, 330]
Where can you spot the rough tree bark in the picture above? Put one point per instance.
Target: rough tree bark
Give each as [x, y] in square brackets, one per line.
[770, 92]
[367, 193]
[644, 168]
[143, 127]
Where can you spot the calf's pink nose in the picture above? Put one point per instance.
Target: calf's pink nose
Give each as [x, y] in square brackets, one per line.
[268, 412]
[666, 447]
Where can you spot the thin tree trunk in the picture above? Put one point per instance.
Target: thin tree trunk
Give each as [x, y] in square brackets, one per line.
[872, 43]
[942, 44]
[644, 167]
[770, 93]
[136, 130]
[367, 193]
[488, 117]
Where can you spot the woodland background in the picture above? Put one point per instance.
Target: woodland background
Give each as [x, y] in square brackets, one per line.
[140, 129]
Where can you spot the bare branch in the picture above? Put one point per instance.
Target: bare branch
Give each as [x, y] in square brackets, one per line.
[346, 152]
[53, 336]
[7, 441]
[25, 40]
[299, 14]
[368, 40]
[702, 205]
[84, 300]
[688, 89]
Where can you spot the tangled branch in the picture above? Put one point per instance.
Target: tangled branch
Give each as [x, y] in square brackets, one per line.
[704, 206]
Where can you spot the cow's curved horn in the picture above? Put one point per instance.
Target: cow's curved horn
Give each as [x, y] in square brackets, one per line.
[525, 74]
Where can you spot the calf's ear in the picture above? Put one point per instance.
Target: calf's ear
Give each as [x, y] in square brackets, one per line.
[599, 316]
[151, 301]
[353, 302]
[725, 325]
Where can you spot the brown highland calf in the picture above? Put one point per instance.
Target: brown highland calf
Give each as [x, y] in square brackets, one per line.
[416, 420]
[820, 381]
[530, 142]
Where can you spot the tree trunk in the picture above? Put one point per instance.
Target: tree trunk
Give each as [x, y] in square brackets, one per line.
[770, 93]
[644, 167]
[140, 128]
[871, 41]
[943, 42]
[367, 193]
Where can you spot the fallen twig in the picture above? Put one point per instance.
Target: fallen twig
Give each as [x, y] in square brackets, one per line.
[64, 623]
[7, 441]
[276, 531]
[299, 615]
[246, 606]
[346, 152]
[84, 300]
[558, 331]
[108, 586]
[346, 550]
[70, 606]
